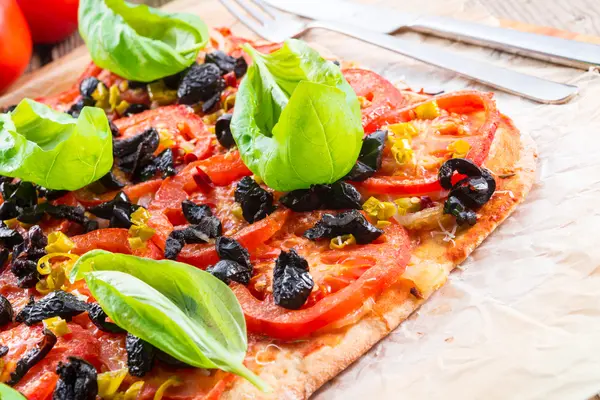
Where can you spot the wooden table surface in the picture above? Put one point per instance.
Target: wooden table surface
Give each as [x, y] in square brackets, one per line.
[581, 16]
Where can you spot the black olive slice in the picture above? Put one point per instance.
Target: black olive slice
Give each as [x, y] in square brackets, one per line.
[195, 212]
[163, 162]
[32, 357]
[98, 318]
[77, 380]
[6, 312]
[200, 83]
[88, 86]
[241, 67]
[230, 249]
[135, 109]
[135, 152]
[208, 228]
[3, 351]
[22, 194]
[25, 256]
[110, 182]
[474, 191]
[292, 282]
[256, 202]
[50, 194]
[460, 165]
[118, 211]
[370, 156]
[337, 196]
[8, 210]
[63, 211]
[55, 304]
[223, 131]
[455, 207]
[348, 222]
[9, 237]
[224, 61]
[228, 270]
[140, 355]
[4, 254]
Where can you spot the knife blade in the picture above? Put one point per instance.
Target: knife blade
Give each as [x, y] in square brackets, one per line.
[384, 20]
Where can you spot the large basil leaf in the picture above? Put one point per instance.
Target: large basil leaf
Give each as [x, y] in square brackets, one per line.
[53, 149]
[138, 42]
[180, 309]
[296, 121]
[8, 393]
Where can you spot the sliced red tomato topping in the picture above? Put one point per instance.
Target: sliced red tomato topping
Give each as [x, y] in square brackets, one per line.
[115, 240]
[344, 280]
[223, 169]
[468, 116]
[379, 96]
[177, 121]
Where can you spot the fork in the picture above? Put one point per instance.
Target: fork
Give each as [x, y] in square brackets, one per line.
[274, 26]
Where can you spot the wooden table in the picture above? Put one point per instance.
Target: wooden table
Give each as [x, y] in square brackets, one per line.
[581, 16]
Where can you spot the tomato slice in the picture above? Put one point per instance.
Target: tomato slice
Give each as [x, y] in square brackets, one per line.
[470, 116]
[379, 93]
[223, 169]
[361, 272]
[186, 128]
[115, 240]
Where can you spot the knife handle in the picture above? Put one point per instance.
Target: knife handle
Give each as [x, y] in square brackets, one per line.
[547, 48]
[530, 87]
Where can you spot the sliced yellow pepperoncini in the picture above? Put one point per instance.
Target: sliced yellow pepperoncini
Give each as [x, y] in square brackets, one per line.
[114, 97]
[172, 381]
[429, 110]
[229, 102]
[402, 151]
[161, 94]
[382, 224]
[403, 130]
[133, 391]
[109, 382]
[237, 212]
[382, 210]
[122, 107]
[339, 242]
[139, 231]
[408, 205]
[56, 277]
[101, 96]
[57, 325]
[58, 242]
[459, 148]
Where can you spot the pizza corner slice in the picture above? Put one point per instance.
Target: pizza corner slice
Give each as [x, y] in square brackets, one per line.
[290, 281]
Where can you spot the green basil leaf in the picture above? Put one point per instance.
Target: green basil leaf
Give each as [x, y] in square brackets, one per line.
[180, 309]
[296, 121]
[138, 42]
[8, 393]
[53, 149]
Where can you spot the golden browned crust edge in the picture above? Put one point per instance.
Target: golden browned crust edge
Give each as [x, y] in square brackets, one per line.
[296, 376]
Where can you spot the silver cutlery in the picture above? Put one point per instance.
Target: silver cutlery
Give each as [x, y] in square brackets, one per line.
[274, 26]
[383, 20]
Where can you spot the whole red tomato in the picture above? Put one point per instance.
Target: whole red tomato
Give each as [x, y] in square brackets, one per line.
[50, 21]
[15, 43]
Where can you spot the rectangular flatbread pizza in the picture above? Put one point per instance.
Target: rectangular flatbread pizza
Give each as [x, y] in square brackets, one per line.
[206, 217]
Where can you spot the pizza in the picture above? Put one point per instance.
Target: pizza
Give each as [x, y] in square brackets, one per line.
[313, 275]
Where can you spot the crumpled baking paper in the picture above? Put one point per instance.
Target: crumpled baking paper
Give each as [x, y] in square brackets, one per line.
[520, 319]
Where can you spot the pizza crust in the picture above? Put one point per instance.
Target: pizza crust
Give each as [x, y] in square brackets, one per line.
[298, 369]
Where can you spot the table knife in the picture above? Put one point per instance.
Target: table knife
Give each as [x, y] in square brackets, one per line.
[561, 51]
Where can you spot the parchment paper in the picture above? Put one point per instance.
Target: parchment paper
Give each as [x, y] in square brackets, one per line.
[521, 319]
